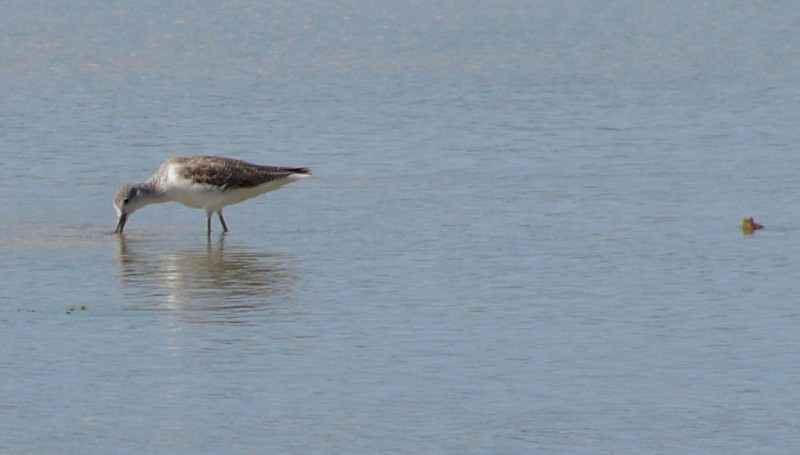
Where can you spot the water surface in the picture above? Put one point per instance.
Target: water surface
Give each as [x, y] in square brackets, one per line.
[521, 235]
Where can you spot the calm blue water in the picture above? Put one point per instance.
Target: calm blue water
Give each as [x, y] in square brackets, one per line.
[521, 235]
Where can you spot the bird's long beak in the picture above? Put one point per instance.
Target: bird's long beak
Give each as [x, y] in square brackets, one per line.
[121, 223]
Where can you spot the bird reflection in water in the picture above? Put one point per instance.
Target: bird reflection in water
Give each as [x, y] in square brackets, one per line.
[204, 284]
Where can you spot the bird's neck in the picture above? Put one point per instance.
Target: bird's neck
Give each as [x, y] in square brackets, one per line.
[152, 192]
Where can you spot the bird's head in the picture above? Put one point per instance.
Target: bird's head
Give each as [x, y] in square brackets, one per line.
[128, 199]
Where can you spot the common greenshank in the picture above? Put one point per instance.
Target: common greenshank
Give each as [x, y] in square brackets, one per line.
[203, 182]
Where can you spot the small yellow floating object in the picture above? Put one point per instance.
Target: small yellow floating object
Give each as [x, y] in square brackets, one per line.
[749, 226]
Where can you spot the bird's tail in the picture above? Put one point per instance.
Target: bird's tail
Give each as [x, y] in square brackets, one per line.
[298, 170]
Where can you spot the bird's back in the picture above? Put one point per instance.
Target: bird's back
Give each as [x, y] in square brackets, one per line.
[229, 173]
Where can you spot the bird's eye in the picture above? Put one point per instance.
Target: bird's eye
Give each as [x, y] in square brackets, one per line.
[126, 200]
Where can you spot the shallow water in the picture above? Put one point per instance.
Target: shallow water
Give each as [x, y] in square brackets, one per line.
[521, 234]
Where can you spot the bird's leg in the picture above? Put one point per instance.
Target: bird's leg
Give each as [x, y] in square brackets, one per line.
[208, 223]
[222, 220]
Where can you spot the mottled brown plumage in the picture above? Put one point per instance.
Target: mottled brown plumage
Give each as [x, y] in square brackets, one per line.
[228, 173]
